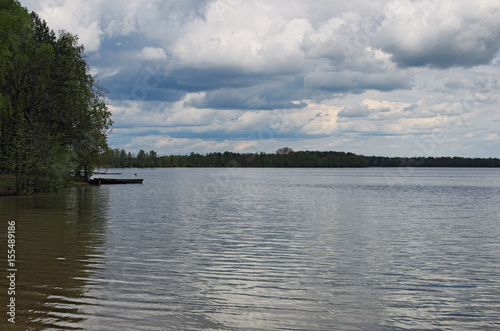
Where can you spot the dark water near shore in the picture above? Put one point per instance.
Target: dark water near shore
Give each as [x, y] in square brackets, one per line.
[260, 249]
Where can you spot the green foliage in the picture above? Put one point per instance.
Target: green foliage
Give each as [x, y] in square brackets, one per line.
[380, 161]
[284, 157]
[53, 116]
[113, 158]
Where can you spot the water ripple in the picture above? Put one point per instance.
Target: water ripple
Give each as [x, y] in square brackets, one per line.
[267, 249]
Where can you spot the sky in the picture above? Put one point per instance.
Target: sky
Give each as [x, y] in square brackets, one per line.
[379, 77]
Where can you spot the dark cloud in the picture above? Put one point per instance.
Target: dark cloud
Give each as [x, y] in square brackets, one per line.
[411, 107]
[197, 80]
[143, 83]
[358, 82]
[263, 96]
[446, 53]
[355, 111]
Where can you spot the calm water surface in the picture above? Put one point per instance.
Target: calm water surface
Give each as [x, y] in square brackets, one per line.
[261, 249]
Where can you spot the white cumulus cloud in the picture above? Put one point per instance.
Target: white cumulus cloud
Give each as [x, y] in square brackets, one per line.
[151, 54]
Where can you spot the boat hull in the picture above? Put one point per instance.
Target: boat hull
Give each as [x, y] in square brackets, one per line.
[110, 181]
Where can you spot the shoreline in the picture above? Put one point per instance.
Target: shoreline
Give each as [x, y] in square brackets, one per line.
[7, 186]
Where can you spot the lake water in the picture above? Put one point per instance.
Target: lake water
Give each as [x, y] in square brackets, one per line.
[260, 249]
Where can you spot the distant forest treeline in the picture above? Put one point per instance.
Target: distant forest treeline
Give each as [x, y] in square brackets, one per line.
[284, 157]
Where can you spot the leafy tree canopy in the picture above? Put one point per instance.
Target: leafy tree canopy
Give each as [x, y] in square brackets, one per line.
[53, 117]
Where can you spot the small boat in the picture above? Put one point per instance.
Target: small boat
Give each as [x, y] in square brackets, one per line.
[106, 181]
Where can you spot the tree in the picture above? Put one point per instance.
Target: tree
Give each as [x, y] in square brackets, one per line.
[284, 151]
[53, 116]
[141, 159]
[122, 162]
[152, 158]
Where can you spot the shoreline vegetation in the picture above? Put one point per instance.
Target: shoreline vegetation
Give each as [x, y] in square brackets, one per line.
[283, 158]
[54, 120]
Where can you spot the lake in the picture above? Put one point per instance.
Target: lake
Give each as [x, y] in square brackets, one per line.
[260, 249]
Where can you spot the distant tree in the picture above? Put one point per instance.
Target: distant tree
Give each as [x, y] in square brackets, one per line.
[228, 159]
[129, 159]
[152, 158]
[141, 159]
[122, 158]
[284, 151]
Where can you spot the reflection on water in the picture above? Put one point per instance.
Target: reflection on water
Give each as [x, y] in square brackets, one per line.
[263, 249]
[59, 245]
